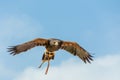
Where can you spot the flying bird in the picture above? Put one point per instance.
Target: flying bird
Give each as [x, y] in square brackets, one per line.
[51, 46]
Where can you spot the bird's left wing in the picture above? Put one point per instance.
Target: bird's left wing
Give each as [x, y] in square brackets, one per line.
[76, 49]
[28, 45]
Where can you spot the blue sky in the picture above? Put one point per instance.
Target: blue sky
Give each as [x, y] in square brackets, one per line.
[94, 24]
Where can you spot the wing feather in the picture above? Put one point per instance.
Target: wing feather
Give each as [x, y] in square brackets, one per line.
[76, 49]
[28, 45]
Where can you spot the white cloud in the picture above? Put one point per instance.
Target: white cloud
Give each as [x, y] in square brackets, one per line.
[16, 29]
[104, 68]
[19, 27]
[5, 72]
[13, 29]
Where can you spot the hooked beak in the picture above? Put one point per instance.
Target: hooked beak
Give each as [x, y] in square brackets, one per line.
[56, 43]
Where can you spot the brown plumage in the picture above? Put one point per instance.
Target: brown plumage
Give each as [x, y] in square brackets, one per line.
[51, 46]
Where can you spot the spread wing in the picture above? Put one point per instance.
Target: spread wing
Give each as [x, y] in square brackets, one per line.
[28, 45]
[76, 49]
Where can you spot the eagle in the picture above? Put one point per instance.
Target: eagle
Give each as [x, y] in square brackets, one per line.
[52, 45]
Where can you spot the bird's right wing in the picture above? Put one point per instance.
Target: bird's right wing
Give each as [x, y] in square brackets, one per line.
[28, 45]
[76, 49]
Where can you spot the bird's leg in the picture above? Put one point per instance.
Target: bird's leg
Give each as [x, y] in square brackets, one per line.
[47, 66]
[41, 64]
[43, 60]
[47, 56]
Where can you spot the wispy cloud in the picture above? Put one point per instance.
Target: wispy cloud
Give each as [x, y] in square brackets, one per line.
[103, 68]
[16, 29]
[20, 26]
[6, 72]
[13, 29]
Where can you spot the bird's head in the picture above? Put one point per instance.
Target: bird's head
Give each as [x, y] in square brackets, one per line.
[55, 42]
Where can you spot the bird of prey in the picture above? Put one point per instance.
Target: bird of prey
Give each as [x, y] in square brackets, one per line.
[51, 46]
